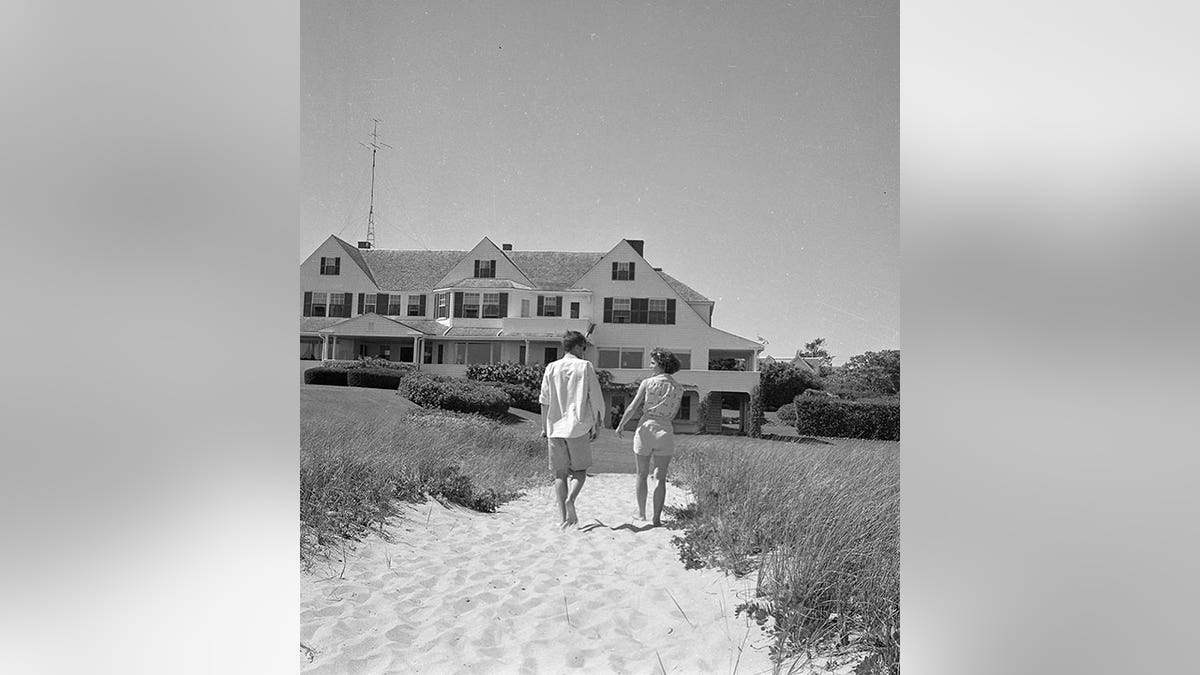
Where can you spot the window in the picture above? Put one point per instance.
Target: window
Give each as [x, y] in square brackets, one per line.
[319, 304]
[362, 349]
[549, 305]
[368, 303]
[337, 304]
[491, 305]
[639, 310]
[574, 310]
[620, 357]
[685, 358]
[476, 352]
[395, 304]
[470, 309]
[416, 305]
[525, 309]
[330, 265]
[620, 310]
[443, 305]
[485, 269]
[658, 310]
[385, 352]
[685, 408]
[622, 271]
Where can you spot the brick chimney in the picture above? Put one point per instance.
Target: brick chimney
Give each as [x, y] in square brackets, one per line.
[638, 245]
[506, 247]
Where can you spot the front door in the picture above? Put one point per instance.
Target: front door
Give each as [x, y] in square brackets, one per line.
[551, 355]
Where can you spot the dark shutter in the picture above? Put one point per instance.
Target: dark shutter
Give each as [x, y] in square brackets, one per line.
[337, 267]
[503, 305]
[422, 305]
[574, 310]
[608, 310]
[670, 311]
[493, 267]
[322, 265]
[476, 269]
[307, 303]
[361, 298]
[381, 302]
[559, 302]
[639, 310]
[347, 299]
[614, 271]
[631, 266]
[541, 306]
[458, 302]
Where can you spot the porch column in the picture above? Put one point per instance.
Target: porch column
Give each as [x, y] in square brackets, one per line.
[526, 353]
[324, 347]
[334, 349]
[416, 350]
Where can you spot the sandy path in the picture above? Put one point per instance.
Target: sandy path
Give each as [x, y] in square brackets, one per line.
[458, 591]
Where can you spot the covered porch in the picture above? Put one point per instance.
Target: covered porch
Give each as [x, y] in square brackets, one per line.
[368, 335]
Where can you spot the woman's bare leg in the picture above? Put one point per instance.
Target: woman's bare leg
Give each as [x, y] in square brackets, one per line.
[643, 471]
[660, 488]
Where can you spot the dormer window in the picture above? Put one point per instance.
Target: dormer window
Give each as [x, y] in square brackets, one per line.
[330, 265]
[485, 269]
[622, 271]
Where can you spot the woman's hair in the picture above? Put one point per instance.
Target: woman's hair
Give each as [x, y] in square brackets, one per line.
[665, 359]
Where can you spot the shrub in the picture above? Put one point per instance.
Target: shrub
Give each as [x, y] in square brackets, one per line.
[375, 378]
[525, 398]
[756, 412]
[323, 375]
[367, 362]
[847, 419]
[454, 394]
[510, 373]
[782, 381]
[787, 413]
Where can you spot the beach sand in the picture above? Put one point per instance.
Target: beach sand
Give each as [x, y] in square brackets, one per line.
[510, 592]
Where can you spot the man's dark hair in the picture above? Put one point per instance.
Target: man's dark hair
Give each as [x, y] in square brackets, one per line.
[665, 359]
[572, 339]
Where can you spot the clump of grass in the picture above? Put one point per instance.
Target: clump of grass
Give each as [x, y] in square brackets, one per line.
[354, 474]
[818, 524]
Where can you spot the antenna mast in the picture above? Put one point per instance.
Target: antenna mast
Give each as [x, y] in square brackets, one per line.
[374, 145]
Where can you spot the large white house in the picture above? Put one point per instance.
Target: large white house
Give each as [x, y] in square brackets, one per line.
[445, 310]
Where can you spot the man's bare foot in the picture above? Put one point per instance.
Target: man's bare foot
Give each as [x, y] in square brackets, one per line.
[657, 523]
[572, 517]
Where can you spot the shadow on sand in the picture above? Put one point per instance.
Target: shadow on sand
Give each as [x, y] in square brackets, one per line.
[596, 524]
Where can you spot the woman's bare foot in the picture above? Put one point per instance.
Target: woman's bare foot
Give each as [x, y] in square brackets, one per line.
[639, 517]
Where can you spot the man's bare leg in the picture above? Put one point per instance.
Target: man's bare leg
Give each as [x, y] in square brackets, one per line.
[560, 495]
[570, 517]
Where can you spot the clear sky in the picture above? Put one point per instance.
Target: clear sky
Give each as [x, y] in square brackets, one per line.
[753, 146]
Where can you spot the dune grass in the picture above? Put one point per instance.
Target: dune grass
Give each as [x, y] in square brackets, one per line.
[362, 452]
[818, 524]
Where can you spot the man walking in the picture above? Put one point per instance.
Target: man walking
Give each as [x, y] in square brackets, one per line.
[573, 413]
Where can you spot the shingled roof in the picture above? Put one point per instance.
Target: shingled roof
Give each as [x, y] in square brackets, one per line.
[401, 270]
[556, 270]
[357, 257]
[686, 292]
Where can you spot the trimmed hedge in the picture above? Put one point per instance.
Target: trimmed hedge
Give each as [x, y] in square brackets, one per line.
[525, 398]
[369, 362]
[847, 419]
[787, 413]
[429, 391]
[510, 373]
[322, 375]
[375, 378]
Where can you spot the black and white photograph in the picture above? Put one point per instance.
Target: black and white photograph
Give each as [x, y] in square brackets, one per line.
[599, 337]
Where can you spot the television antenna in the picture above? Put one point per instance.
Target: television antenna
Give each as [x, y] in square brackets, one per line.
[375, 146]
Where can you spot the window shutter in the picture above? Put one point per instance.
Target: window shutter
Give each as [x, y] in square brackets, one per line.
[476, 269]
[670, 310]
[347, 298]
[608, 310]
[541, 306]
[493, 267]
[322, 264]
[503, 305]
[361, 298]
[614, 271]
[381, 302]
[422, 305]
[631, 266]
[307, 303]
[337, 266]
[560, 305]
[458, 302]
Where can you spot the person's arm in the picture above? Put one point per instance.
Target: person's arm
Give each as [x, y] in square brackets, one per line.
[544, 400]
[634, 409]
[596, 394]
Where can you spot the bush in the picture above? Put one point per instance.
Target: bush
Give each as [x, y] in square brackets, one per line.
[376, 378]
[525, 398]
[323, 375]
[454, 394]
[756, 412]
[367, 362]
[847, 419]
[509, 373]
[782, 381]
[787, 413]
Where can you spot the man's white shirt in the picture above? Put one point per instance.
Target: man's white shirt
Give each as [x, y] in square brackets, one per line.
[571, 391]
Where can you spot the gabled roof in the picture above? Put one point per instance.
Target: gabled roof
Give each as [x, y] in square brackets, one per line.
[312, 324]
[357, 256]
[486, 283]
[472, 331]
[426, 326]
[401, 270]
[556, 270]
[686, 292]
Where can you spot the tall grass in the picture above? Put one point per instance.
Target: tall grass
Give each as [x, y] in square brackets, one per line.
[818, 524]
[354, 473]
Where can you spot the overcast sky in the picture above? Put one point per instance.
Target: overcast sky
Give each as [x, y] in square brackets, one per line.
[753, 146]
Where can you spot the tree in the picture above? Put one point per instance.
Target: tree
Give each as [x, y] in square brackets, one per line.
[871, 373]
[781, 382]
[816, 349]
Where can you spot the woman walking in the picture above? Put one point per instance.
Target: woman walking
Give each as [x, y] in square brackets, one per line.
[657, 402]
